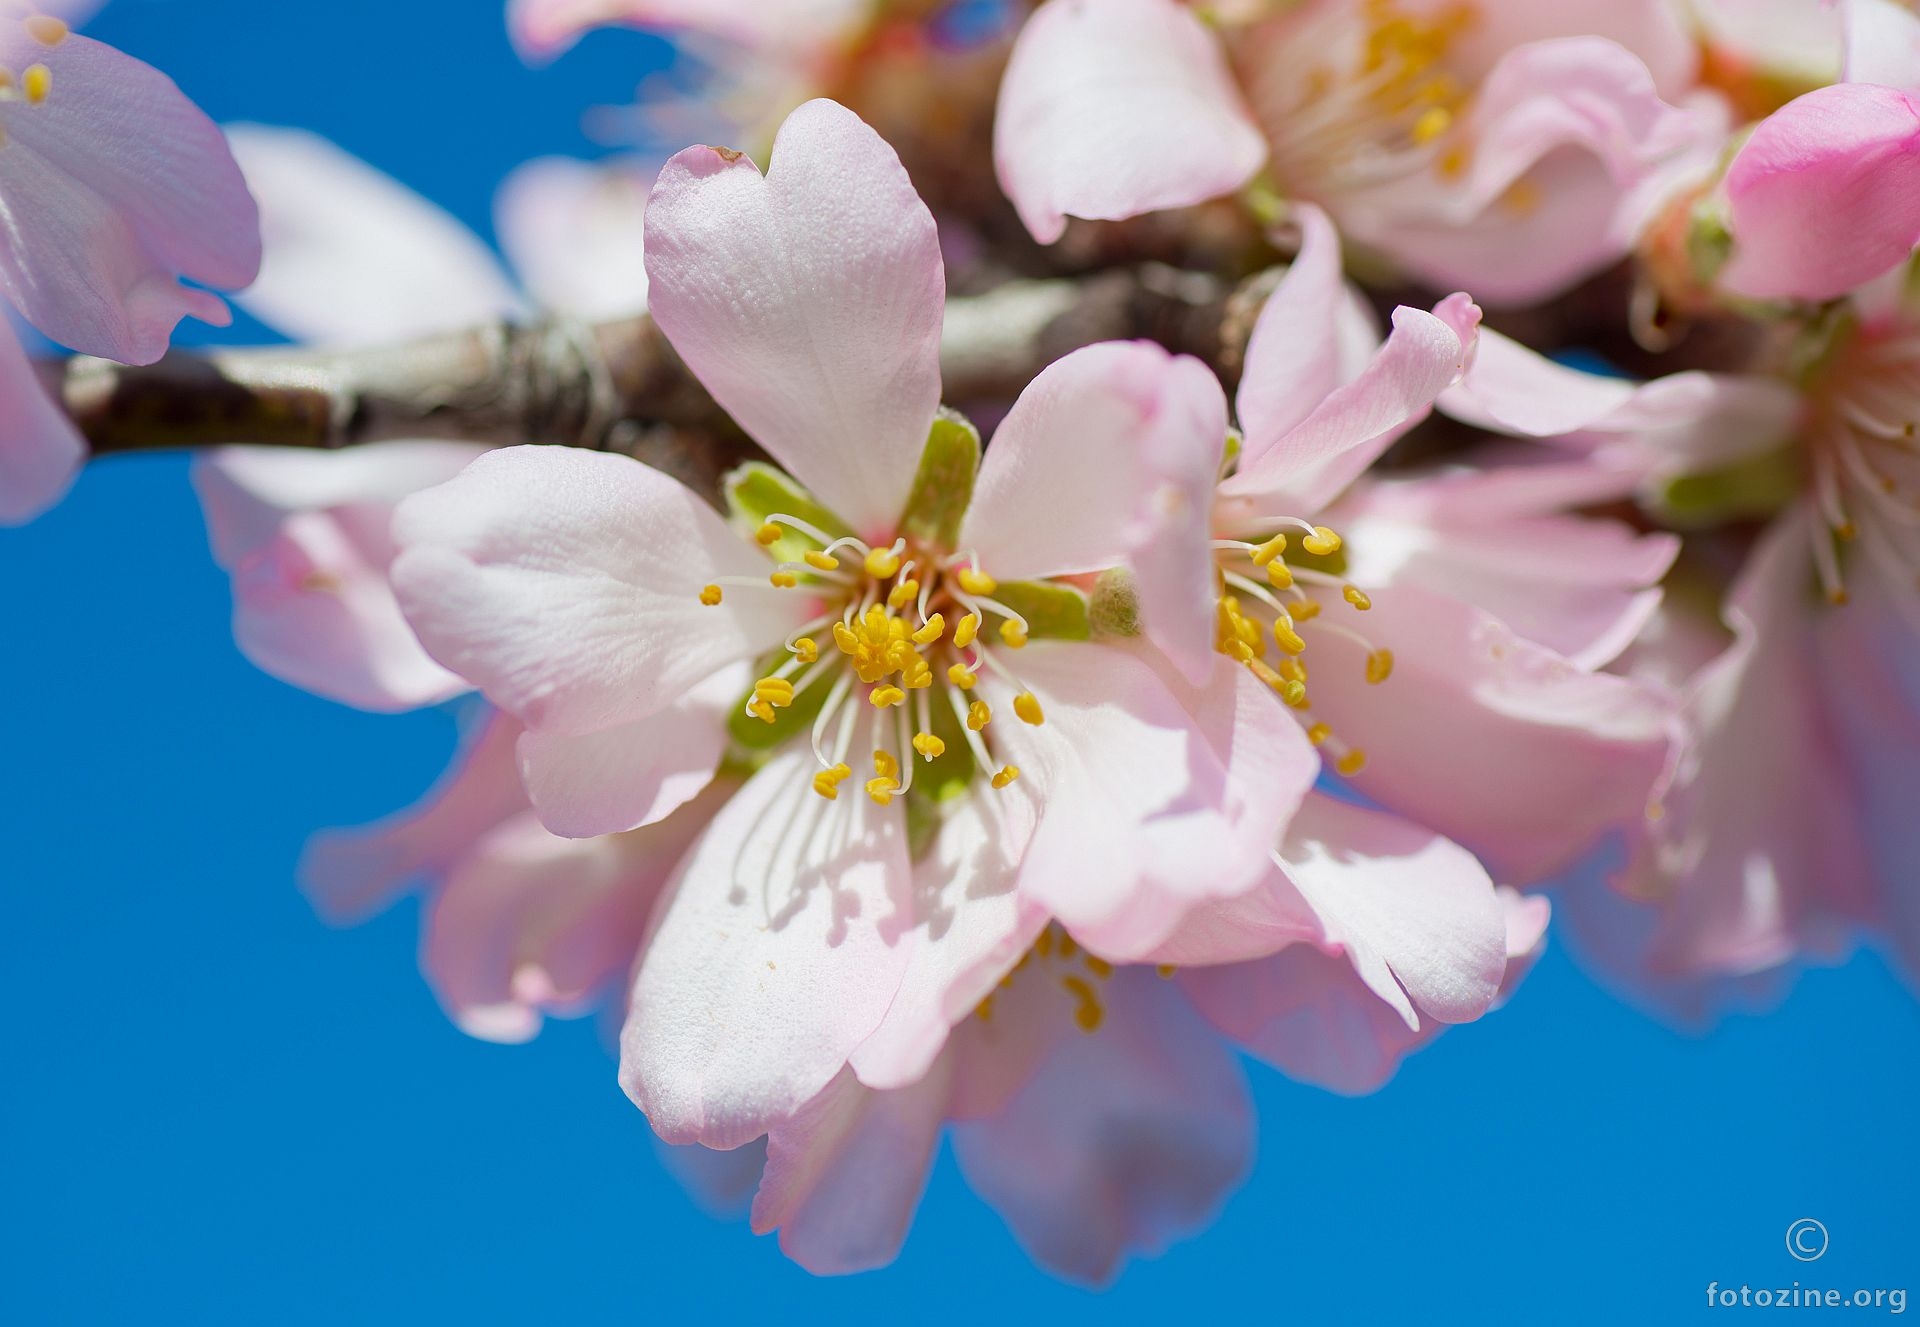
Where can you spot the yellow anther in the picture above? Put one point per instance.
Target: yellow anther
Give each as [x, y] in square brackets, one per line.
[1433, 122]
[806, 649]
[1286, 637]
[917, 675]
[882, 790]
[768, 535]
[1291, 667]
[1006, 775]
[984, 1010]
[776, 689]
[46, 29]
[1356, 596]
[827, 782]
[1351, 763]
[821, 561]
[966, 629]
[1027, 706]
[885, 696]
[963, 677]
[844, 638]
[1089, 1013]
[1043, 943]
[1237, 650]
[929, 746]
[978, 715]
[882, 563]
[1323, 542]
[1453, 163]
[1379, 666]
[760, 708]
[1295, 694]
[1306, 610]
[783, 580]
[1268, 551]
[885, 765]
[1846, 532]
[1068, 945]
[37, 83]
[1013, 634]
[1319, 733]
[1837, 596]
[975, 581]
[1279, 575]
[710, 595]
[935, 628]
[1099, 967]
[902, 594]
[1166, 970]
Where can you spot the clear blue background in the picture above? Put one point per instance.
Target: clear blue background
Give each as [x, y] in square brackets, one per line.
[214, 1109]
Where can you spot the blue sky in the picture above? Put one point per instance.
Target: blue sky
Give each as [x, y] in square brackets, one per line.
[217, 1110]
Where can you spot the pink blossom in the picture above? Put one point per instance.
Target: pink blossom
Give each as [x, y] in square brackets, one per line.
[40, 450]
[1505, 146]
[117, 187]
[604, 606]
[545, 28]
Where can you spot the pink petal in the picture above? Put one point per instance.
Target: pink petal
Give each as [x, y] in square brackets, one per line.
[777, 954]
[1653, 30]
[1126, 1140]
[1154, 796]
[544, 28]
[305, 537]
[41, 451]
[350, 873]
[573, 231]
[1134, 436]
[1882, 44]
[632, 774]
[117, 186]
[809, 303]
[566, 585]
[354, 256]
[1424, 355]
[970, 927]
[1111, 108]
[1825, 194]
[1491, 739]
[845, 1174]
[528, 924]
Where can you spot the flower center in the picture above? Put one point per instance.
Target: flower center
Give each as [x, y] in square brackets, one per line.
[1282, 615]
[1864, 458]
[1353, 95]
[1081, 975]
[889, 663]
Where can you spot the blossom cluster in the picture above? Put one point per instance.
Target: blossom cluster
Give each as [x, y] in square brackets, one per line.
[1006, 785]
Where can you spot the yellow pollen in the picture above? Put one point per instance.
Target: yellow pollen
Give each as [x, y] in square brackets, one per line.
[775, 689]
[1354, 595]
[936, 627]
[1166, 970]
[1306, 610]
[783, 580]
[1099, 967]
[710, 595]
[1352, 763]
[882, 563]
[1323, 542]
[966, 629]
[961, 677]
[1013, 634]
[37, 83]
[761, 708]
[929, 746]
[978, 715]
[827, 782]
[902, 594]
[1268, 551]
[46, 29]
[1319, 733]
[1295, 694]
[1027, 706]
[984, 1010]
[1279, 575]
[881, 790]
[975, 581]
[1286, 637]
[768, 535]
[1379, 666]
[917, 675]
[821, 561]
[885, 696]
[1291, 667]
[806, 649]
[1006, 775]
[1433, 122]
[1089, 1012]
[885, 765]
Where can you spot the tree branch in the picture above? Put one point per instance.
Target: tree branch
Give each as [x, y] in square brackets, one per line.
[612, 386]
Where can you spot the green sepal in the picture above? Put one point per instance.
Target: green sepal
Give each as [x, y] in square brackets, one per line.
[943, 486]
[757, 490]
[938, 781]
[1758, 487]
[796, 719]
[1052, 611]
